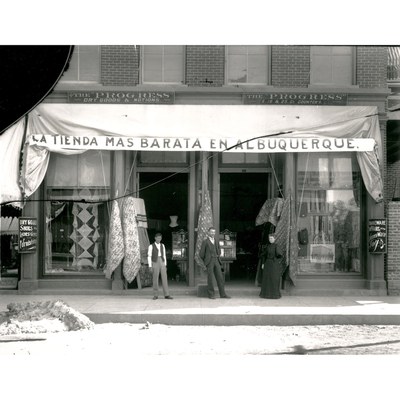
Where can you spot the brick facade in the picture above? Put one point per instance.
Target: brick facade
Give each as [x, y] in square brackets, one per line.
[371, 67]
[205, 65]
[393, 254]
[290, 66]
[120, 65]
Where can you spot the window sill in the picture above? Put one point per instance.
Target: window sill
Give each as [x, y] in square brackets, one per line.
[325, 86]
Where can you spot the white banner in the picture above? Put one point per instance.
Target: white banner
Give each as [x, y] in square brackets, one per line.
[260, 145]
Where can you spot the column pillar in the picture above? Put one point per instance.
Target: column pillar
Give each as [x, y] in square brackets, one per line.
[374, 262]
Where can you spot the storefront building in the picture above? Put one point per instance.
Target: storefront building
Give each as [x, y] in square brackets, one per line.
[249, 139]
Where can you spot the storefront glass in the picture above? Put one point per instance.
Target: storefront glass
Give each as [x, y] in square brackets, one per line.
[77, 213]
[328, 214]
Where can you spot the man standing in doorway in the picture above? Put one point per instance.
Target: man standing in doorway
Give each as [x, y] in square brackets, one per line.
[156, 257]
[210, 254]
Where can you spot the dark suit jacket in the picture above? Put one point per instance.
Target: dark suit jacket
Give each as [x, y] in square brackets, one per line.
[206, 251]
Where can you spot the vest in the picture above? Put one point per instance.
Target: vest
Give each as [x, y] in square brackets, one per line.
[154, 254]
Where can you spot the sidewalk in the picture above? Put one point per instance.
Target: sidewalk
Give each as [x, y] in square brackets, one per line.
[244, 308]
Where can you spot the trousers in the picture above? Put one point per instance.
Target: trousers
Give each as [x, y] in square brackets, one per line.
[214, 269]
[159, 268]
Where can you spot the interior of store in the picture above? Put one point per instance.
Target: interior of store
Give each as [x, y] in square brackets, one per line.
[241, 198]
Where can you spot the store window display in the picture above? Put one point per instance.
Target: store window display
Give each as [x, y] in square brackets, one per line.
[328, 213]
[77, 213]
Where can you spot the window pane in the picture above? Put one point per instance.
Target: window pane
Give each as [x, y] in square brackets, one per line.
[328, 193]
[237, 69]
[84, 65]
[152, 68]
[94, 169]
[76, 231]
[163, 64]
[247, 64]
[89, 63]
[91, 168]
[257, 69]
[332, 65]
[173, 68]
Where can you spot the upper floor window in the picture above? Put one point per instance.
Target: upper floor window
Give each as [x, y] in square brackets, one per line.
[332, 65]
[84, 65]
[393, 68]
[163, 64]
[247, 65]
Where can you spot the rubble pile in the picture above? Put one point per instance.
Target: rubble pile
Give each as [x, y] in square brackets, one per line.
[42, 317]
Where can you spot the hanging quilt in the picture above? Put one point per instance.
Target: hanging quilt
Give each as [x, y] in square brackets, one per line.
[205, 221]
[286, 238]
[270, 211]
[85, 236]
[115, 242]
[131, 265]
[145, 273]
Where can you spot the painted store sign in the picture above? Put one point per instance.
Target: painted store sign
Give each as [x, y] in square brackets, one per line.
[257, 145]
[121, 97]
[305, 99]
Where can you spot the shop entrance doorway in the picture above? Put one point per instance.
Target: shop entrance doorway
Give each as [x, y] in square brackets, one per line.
[241, 198]
[165, 195]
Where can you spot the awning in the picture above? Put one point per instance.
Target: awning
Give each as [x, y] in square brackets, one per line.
[204, 122]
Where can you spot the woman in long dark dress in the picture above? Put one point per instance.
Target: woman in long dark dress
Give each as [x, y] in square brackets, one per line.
[271, 270]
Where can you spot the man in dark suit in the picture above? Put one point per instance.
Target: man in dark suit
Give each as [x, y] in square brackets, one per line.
[210, 254]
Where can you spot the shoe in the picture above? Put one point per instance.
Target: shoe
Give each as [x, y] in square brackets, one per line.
[169, 297]
[225, 297]
[155, 297]
[211, 297]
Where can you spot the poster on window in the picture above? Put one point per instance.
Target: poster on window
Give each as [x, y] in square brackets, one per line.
[377, 236]
[27, 235]
[322, 253]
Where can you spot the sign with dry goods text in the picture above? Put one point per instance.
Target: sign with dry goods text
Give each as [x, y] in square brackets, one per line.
[27, 235]
[121, 97]
[377, 236]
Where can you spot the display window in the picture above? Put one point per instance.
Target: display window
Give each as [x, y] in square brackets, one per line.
[328, 213]
[77, 213]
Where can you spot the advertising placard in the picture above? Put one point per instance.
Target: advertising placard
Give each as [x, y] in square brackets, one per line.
[377, 236]
[27, 235]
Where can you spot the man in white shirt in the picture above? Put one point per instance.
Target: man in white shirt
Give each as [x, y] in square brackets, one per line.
[156, 257]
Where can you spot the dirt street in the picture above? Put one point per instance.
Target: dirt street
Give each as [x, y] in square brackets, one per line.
[198, 362]
[155, 339]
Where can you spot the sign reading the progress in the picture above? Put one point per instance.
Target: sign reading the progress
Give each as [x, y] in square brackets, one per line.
[258, 145]
[377, 236]
[27, 235]
[305, 99]
[121, 97]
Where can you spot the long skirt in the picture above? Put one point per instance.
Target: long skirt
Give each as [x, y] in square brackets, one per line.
[271, 280]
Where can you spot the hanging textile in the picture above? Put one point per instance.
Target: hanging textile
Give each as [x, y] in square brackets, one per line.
[205, 222]
[131, 265]
[141, 220]
[141, 216]
[115, 242]
[10, 152]
[85, 235]
[285, 231]
[146, 275]
[270, 211]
